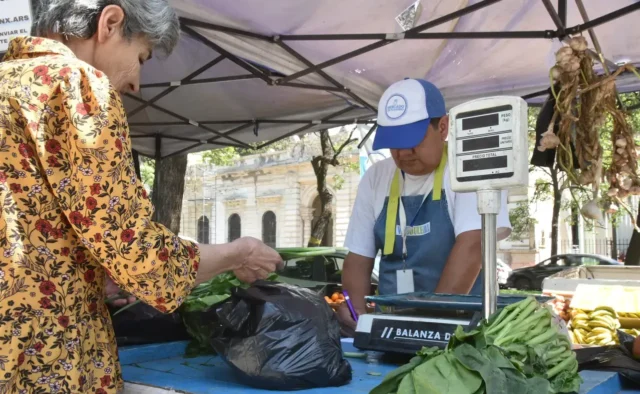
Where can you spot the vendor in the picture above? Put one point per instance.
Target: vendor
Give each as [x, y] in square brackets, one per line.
[429, 237]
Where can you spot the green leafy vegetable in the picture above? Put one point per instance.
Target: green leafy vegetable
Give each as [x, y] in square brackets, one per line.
[518, 350]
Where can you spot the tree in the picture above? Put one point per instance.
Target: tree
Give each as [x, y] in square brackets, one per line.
[328, 157]
[168, 189]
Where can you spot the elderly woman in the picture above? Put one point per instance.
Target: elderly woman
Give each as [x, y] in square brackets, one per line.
[71, 206]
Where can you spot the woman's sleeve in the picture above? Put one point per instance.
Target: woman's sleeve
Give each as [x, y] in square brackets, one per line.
[85, 149]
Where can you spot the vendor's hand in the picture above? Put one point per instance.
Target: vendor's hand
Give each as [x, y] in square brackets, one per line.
[347, 324]
[112, 289]
[258, 262]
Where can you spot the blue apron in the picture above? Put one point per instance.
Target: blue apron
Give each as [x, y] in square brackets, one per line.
[430, 240]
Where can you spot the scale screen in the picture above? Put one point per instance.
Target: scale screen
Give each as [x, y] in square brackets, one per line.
[484, 144]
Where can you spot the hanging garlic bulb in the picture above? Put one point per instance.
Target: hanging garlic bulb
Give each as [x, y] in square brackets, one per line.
[549, 141]
[564, 54]
[555, 72]
[578, 44]
[634, 190]
[612, 192]
[590, 210]
[621, 142]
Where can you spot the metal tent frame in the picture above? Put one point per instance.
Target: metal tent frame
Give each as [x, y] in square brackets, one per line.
[557, 14]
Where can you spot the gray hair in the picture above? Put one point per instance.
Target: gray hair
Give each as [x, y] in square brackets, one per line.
[153, 19]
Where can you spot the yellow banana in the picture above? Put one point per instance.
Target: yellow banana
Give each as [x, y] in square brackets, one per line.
[572, 337]
[583, 326]
[600, 312]
[606, 308]
[611, 322]
[600, 330]
[580, 315]
[601, 338]
[599, 323]
[579, 337]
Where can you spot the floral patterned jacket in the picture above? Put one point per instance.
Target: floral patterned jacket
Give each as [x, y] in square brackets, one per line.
[71, 209]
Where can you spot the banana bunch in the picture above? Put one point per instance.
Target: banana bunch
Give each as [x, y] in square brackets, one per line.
[630, 315]
[597, 327]
[634, 332]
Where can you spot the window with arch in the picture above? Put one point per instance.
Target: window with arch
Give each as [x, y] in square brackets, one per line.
[235, 227]
[203, 230]
[269, 229]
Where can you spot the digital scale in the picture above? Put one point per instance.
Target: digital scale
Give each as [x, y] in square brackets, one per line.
[488, 152]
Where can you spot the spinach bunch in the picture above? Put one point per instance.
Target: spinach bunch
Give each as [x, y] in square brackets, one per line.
[519, 350]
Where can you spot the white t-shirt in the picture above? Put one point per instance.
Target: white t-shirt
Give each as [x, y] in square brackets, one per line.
[374, 189]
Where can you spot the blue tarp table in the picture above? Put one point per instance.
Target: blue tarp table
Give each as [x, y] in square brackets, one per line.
[163, 366]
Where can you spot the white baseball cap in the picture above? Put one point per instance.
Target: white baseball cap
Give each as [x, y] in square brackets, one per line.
[404, 113]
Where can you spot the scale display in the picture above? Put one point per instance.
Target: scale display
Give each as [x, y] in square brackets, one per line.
[484, 145]
[488, 145]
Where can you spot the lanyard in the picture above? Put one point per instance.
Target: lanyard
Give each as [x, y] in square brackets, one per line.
[403, 219]
[395, 202]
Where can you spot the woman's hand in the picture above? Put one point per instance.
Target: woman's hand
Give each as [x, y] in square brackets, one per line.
[112, 289]
[257, 262]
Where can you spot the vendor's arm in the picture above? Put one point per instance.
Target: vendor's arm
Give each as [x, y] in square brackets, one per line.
[356, 279]
[463, 265]
[465, 260]
[360, 240]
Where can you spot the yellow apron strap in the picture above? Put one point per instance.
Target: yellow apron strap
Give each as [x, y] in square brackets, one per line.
[392, 215]
[437, 182]
[394, 199]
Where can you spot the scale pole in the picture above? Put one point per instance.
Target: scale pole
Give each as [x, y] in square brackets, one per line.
[488, 208]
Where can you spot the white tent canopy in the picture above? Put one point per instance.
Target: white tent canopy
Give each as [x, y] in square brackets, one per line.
[238, 75]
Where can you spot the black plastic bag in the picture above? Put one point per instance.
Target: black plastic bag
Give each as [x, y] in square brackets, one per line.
[612, 358]
[142, 324]
[281, 337]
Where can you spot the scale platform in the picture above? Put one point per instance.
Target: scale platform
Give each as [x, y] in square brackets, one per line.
[415, 320]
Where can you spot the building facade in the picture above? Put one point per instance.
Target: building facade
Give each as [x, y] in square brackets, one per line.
[270, 196]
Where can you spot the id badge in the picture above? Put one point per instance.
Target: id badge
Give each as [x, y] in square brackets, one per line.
[404, 281]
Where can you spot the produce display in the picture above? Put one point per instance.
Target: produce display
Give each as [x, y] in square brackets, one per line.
[629, 315]
[519, 350]
[597, 327]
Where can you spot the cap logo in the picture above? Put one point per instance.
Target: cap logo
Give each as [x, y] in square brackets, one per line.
[396, 106]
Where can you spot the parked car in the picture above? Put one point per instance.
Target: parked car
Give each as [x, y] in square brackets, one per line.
[530, 278]
[317, 271]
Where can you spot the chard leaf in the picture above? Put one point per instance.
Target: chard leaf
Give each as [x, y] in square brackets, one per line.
[390, 383]
[444, 374]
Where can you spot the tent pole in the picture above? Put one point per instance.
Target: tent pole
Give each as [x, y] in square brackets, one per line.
[234, 130]
[366, 136]
[174, 87]
[604, 18]
[187, 121]
[436, 22]
[181, 151]
[323, 74]
[194, 34]
[303, 128]
[562, 12]
[200, 81]
[554, 16]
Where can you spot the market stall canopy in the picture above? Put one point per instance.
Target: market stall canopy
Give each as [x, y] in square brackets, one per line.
[250, 72]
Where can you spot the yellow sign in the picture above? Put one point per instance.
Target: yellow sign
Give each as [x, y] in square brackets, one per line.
[15, 20]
